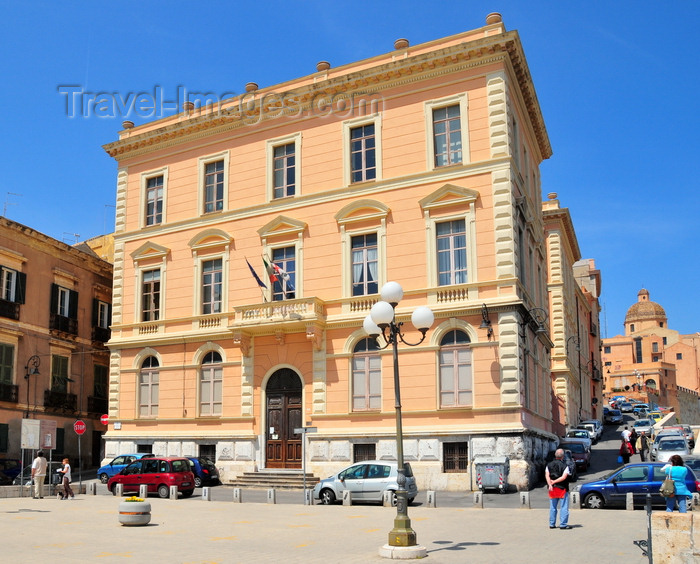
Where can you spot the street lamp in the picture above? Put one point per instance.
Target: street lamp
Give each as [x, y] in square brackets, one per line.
[382, 320]
[33, 362]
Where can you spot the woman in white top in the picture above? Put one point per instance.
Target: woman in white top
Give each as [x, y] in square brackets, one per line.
[67, 491]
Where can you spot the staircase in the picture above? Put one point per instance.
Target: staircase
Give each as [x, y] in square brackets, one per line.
[274, 478]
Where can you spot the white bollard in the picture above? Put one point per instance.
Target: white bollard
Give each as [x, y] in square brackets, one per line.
[271, 496]
[694, 502]
[388, 499]
[575, 500]
[173, 492]
[347, 497]
[143, 491]
[119, 490]
[206, 494]
[479, 499]
[308, 497]
[237, 497]
[524, 500]
[431, 499]
[92, 488]
[629, 501]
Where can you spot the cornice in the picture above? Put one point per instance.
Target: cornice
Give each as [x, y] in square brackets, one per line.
[385, 75]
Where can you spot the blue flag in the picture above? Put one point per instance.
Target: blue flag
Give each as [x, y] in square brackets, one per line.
[255, 275]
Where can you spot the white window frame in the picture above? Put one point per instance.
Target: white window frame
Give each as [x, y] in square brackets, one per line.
[270, 256]
[145, 177]
[213, 285]
[139, 312]
[202, 181]
[8, 284]
[198, 281]
[428, 107]
[470, 366]
[349, 125]
[270, 147]
[216, 369]
[364, 263]
[63, 302]
[367, 371]
[102, 314]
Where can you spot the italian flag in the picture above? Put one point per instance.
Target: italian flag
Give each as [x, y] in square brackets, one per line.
[272, 270]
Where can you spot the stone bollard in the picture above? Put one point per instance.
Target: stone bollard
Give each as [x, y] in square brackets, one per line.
[173, 492]
[388, 499]
[575, 500]
[308, 497]
[237, 496]
[206, 494]
[347, 497]
[119, 490]
[431, 499]
[694, 502]
[143, 491]
[479, 499]
[92, 488]
[524, 500]
[271, 496]
[629, 501]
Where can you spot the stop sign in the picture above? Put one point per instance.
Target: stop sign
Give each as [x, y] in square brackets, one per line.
[104, 419]
[79, 427]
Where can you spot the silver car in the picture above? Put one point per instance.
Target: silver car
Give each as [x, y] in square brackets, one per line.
[668, 446]
[646, 425]
[367, 481]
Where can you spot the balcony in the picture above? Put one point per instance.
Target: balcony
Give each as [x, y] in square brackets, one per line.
[96, 405]
[9, 310]
[8, 392]
[60, 401]
[100, 334]
[270, 316]
[63, 324]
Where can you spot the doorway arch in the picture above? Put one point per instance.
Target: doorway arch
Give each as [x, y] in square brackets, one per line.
[284, 414]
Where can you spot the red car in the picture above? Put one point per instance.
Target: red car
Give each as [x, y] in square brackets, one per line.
[158, 473]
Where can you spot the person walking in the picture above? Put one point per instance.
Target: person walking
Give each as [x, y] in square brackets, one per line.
[67, 491]
[678, 471]
[642, 445]
[626, 433]
[39, 475]
[633, 440]
[625, 451]
[557, 476]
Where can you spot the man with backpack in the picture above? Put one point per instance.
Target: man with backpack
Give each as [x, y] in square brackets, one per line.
[557, 476]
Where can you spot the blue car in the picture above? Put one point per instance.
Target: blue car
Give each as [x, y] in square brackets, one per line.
[117, 465]
[639, 478]
[205, 472]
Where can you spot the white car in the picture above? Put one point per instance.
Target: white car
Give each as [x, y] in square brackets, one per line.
[668, 446]
[367, 481]
[598, 427]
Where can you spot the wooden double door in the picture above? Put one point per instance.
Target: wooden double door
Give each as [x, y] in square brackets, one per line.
[283, 447]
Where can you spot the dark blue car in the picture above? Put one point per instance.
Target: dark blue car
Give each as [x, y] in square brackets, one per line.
[204, 470]
[639, 478]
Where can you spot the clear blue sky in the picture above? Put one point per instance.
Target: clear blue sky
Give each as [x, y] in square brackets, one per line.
[617, 83]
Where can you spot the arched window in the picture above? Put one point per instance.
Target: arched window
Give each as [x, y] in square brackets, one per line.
[455, 370]
[366, 376]
[148, 388]
[210, 384]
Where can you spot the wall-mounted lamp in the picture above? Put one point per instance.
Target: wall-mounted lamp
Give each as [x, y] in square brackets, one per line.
[535, 318]
[486, 321]
[31, 369]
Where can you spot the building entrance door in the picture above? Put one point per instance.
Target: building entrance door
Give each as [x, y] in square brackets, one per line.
[283, 446]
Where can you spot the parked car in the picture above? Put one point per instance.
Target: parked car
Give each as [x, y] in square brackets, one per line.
[598, 427]
[656, 416]
[117, 465]
[592, 434]
[51, 475]
[613, 417]
[646, 425]
[667, 447]
[11, 467]
[367, 481]
[580, 434]
[687, 433]
[581, 453]
[639, 478]
[640, 407]
[693, 462]
[625, 407]
[158, 473]
[205, 471]
[571, 465]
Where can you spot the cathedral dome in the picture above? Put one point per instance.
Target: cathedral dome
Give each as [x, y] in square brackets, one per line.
[645, 310]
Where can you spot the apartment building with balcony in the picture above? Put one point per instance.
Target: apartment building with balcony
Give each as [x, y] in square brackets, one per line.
[55, 311]
[252, 239]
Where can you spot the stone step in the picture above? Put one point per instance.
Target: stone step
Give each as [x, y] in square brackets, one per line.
[280, 479]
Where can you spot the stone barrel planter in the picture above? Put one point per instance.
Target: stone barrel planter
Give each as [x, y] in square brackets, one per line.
[133, 513]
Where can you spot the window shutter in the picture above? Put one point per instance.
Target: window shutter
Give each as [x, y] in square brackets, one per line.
[73, 304]
[95, 312]
[21, 287]
[54, 298]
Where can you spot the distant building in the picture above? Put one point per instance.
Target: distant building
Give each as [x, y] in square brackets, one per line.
[420, 165]
[651, 360]
[55, 311]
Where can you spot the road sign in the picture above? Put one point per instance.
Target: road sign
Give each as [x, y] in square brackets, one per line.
[104, 419]
[79, 427]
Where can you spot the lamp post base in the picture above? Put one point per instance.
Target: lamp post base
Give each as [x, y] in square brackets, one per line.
[402, 552]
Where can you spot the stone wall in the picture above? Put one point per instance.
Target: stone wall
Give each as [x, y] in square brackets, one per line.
[675, 537]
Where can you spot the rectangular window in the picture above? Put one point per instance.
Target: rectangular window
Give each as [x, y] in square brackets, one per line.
[8, 279]
[59, 373]
[638, 350]
[148, 394]
[211, 390]
[284, 170]
[103, 315]
[101, 374]
[363, 165]
[455, 377]
[212, 280]
[154, 200]
[447, 136]
[214, 187]
[679, 356]
[452, 252]
[606, 350]
[655, 347]
[664, 340]
[7, 355]
[284, 266]
[362, 452]
[63, 301]
[150, 295]
[364, 264]
[454, 457]
[366, 382]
